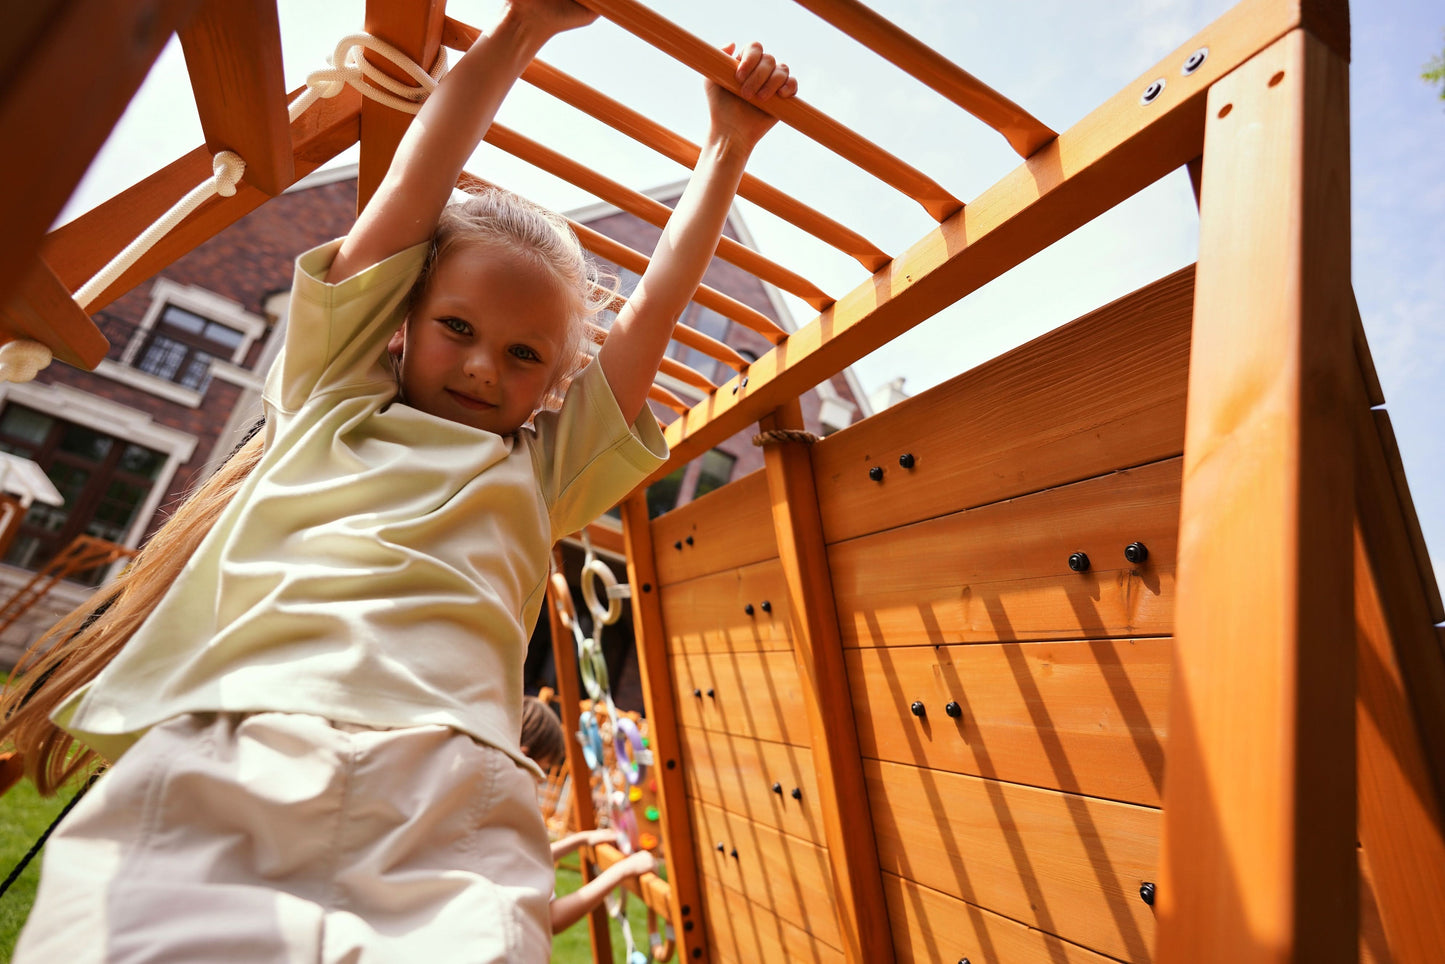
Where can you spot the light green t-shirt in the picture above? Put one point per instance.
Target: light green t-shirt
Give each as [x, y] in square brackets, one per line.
[381, 566]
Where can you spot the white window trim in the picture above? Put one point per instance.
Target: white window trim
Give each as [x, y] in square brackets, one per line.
[104, 415]
[205, 303]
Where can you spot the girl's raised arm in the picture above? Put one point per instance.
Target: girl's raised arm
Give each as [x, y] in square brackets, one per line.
[446, 131]
[634, 348]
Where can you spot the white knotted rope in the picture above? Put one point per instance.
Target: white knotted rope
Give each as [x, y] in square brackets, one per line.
[346, 66]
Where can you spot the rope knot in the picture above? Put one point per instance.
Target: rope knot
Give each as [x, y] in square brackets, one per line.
[227, 166]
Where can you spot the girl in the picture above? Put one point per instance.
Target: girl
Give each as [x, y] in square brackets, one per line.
[318, 695]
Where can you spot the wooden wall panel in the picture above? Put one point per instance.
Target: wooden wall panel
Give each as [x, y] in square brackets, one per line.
[753, 694]
[738, 774]
[729, 527]
[1001, 572]
[929, 926]
[1067, 865]
[1084, 717]
[1102, 393]
[709, 613]
[745, 933]
[783, 874]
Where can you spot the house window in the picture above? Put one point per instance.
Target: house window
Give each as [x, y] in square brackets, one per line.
[717, 468]
[710, 323]
[182, 344]
[104, 480]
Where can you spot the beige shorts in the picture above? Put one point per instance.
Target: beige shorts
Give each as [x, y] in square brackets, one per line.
[283, 837]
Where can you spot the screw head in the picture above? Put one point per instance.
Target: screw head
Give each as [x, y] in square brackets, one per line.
[1146, 892]
[733, 853]
[906, 460]
[1152, 92]
[778, 788]
[711, 694]
[1136, 552]
[1079, 562]
[647, 587]
[720, 847]
[686, 909]
[953, 709]
[697, 693]
[748, 609]
[797, 793]
[687, 925]
[672, 764]
[696, 951]
[767, 606]
[1194, 61]
[688, 540]
[876, 473]
[918, 708]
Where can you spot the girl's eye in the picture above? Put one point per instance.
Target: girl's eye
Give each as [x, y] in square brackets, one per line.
[457, 325]
[525, 353]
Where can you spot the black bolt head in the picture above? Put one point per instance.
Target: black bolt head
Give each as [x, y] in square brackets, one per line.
[672, 764]
[688, 540]
[767, 606]
[917, 708]
[797, 793]
[697, 693]
[953, 709]
[647, 587]
[733, 853]
[876, 473]
[686, 909]
[778, 789]
[696, 951]
[906, 460]
[712, 694]
[1146, 892]
[1079, 562]
[677, 545]
[748, 609]
[687, 925]
[1136, 552]
[720, 847]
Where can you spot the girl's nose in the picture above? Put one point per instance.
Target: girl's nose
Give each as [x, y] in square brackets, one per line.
[479, 365]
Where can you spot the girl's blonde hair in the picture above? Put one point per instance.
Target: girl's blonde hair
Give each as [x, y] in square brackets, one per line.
[494, 216]
[73, 651]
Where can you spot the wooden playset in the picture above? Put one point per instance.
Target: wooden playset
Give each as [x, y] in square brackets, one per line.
[1121, 646]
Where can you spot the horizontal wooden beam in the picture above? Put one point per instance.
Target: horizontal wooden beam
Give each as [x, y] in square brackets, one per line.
[717, 66]
[1024, 132]
[1110, 155]
[77, 250]
[650, 888]
[68, 68]
[653, 212]
[233, 55]
[42, 310]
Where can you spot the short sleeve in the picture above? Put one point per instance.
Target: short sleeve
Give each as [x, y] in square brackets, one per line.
[587, 456]
[335, 334]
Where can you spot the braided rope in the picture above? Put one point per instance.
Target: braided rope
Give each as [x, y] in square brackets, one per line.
[777, 436]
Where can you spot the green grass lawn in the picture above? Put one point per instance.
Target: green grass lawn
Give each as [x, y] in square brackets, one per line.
[24, 814]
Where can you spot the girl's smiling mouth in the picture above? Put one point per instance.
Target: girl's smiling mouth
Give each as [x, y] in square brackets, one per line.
[469, 401]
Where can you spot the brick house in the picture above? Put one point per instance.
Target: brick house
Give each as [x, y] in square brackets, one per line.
[182, 380]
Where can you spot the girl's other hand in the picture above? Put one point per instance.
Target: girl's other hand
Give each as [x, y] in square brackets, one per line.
[760, 78]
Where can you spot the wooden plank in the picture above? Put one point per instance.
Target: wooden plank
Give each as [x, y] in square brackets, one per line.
[1374, 949]
[793, 111]
[1067, 865]
[710, 613]
[651, 889]
[564, 657]
[625, 120]
[1104, 392]
[929, 926]
[1001, 572]
[858, 897]
[1084, 717]
[80, 248]
[1024, 132]
[1400, 496]
[233, 56]
[786, 875]
[645, 208]
[738, 775]
[728, 528]
[41, 309]
[745, 933]
[755, 695]
[1110, 155]
[413, 27]
[1259, 806]
[660, 698]
[66, 81]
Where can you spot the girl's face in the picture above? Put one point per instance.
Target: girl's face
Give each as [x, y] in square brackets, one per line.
[482, 344]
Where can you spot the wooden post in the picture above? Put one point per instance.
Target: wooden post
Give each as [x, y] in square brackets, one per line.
[843, 796]
[659, 695]
[1259, 856]
[415, 28]
[564, 658]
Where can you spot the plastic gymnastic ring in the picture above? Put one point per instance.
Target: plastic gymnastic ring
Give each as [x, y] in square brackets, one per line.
[627, 745]
[593, 666]
[661, 946]
[590, 737]
[599, 570]
[562, 599]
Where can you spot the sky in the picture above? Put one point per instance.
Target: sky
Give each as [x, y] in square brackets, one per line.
[1059, 59]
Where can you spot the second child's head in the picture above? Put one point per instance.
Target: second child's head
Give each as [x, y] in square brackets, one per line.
[542, 737]
[498, 318]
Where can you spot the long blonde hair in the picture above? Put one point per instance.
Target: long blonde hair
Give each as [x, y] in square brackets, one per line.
[73, 651]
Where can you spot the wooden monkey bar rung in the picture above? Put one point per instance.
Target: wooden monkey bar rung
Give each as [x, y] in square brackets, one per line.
[649, 133]
[1022, 130]
[712, 63]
